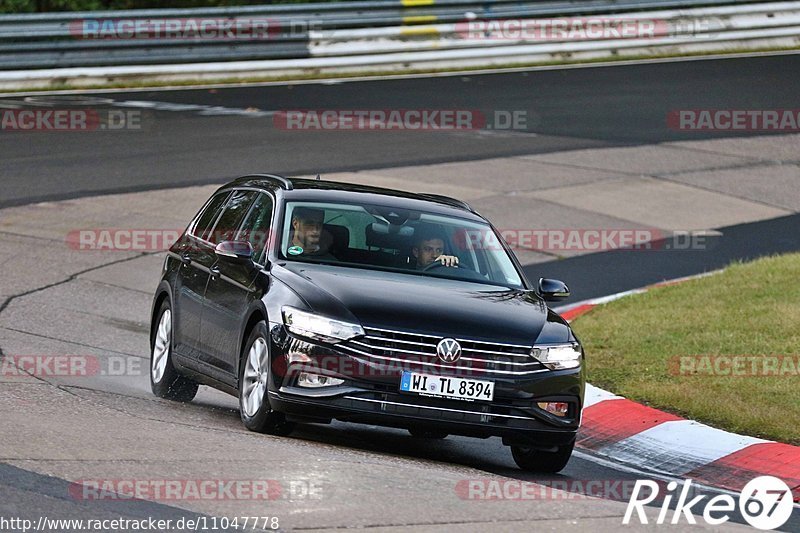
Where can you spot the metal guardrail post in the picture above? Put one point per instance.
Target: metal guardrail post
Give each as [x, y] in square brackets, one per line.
[297, 31]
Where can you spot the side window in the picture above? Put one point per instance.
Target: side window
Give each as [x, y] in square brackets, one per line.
[256, 227]
[232, 216]
[210, 213]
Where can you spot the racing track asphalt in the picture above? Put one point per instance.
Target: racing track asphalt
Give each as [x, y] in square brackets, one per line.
[604, 273]
[565, 109]
[573, 108]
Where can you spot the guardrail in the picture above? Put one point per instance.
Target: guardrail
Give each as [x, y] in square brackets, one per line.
[50, 40]
[375, 35]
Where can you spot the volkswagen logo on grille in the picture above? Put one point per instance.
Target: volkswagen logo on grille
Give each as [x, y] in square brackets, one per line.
[448, 350]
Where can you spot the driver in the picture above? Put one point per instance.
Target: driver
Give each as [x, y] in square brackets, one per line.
[307, 234]
[429, 248]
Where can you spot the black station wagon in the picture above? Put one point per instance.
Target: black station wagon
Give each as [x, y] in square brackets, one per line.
[314, 300]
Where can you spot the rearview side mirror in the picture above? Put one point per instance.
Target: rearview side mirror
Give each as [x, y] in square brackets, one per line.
[552, 289]
[238, 252]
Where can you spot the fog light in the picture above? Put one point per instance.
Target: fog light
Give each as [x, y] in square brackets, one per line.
[306, 379]
[555, 408]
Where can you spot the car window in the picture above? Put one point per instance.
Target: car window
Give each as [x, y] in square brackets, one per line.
[235, 210]
[210, 213]
[383, 237]
[256, 226]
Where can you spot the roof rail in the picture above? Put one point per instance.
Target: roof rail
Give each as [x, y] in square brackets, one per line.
[447, 200]
[285, 183]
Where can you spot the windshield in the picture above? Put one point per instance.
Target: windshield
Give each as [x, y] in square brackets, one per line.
[388, 238]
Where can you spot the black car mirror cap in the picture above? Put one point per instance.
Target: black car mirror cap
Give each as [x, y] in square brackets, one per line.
[240, 252]
[553, 289]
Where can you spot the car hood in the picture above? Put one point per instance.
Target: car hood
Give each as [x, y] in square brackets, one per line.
[423, 304]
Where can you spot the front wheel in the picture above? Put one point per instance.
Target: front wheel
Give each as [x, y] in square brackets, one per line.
[165, 381]
[256, 413]
[533, 460]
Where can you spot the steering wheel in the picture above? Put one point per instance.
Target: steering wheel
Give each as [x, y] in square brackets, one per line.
[438, 264]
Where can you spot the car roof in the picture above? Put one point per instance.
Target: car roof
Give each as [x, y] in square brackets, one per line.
[301, 189]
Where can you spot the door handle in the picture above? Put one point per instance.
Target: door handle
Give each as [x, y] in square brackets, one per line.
[214, 271]
[186, 259]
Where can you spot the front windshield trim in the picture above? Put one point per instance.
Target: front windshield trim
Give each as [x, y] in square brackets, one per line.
[418, 273]
[283, 229]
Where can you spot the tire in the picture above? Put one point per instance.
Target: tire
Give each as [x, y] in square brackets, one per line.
[254, 407]
[533, 460]
[427, 434]
[165, 381]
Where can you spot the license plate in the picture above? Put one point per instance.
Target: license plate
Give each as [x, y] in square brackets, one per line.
[447, 387]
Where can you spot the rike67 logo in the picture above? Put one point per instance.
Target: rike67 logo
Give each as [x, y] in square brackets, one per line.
[765, 503]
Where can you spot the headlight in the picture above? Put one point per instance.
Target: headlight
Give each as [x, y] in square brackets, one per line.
[559, 357]
[319, 327]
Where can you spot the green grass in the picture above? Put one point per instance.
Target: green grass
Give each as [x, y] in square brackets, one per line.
[749, 309]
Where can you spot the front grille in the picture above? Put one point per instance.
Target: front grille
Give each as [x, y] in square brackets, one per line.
[478, 357]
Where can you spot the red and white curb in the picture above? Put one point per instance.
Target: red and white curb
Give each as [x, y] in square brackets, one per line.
[646, 438]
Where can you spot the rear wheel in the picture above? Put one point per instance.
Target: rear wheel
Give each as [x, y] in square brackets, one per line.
[534, 460]
[427, 434]
[256, 413]
[165, 381]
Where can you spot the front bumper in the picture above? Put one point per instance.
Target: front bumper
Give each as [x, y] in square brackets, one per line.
[370, 394]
